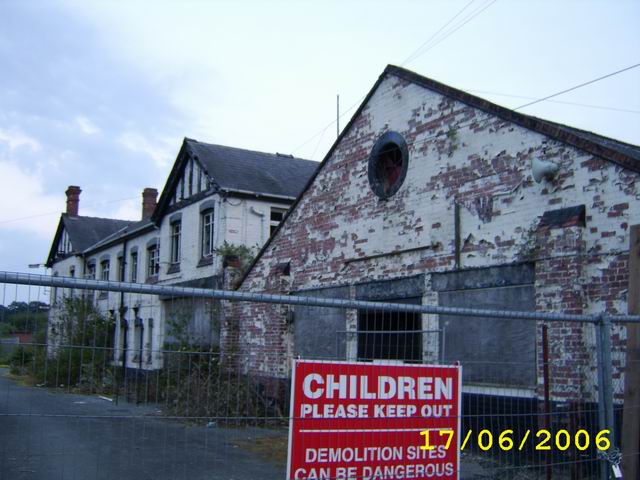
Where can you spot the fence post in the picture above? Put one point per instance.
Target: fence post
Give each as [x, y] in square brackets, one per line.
[547, 395]
[630, 434]
[607, 372]
[605, 384]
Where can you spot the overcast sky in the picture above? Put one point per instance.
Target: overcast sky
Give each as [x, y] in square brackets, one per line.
[101, 94]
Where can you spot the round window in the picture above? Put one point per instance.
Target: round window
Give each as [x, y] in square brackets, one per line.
[388, 164]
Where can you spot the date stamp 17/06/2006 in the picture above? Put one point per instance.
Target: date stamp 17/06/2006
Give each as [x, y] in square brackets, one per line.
[507, 440]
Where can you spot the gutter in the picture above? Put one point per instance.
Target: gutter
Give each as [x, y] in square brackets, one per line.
[253, 194]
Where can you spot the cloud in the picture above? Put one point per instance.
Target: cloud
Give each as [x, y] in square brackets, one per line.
[25, 206]
[161, 151]
[85, 125]
[129, 210]
[15, 138]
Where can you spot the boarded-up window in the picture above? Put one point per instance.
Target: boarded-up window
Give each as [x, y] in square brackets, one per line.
[493, 351]
[319, 332]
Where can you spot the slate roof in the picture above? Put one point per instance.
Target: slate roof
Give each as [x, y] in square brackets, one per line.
[127, 231]
[85, 232]
[238, 169]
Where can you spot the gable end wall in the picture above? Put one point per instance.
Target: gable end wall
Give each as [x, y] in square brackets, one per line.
[340, 233]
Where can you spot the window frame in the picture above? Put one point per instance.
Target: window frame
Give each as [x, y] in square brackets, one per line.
[91, 270]
[105, 266]
[121, 269]
[153, 260]
[204, 238]
[175, 237]
[384, 145]
[133, 270]
[274, 224]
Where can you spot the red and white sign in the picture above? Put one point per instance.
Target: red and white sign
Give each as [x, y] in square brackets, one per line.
[355, 420]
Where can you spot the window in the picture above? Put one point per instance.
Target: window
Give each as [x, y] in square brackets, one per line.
[91, 271]
[207, 233]
[175, 241]
[481, 341]
[134, 267]
[388, 163]
[104, 275]
[120, 269]
[277, 214]
[153, 263]
[104, 270]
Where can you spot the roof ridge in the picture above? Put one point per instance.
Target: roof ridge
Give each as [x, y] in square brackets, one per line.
[582, 130]
[65, 215]
[275, 155]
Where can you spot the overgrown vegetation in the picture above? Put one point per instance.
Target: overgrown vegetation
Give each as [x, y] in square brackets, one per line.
[196, 382]
[202, 387]
[199, 382]
[207, 386]
[77, 353]
[238, 258]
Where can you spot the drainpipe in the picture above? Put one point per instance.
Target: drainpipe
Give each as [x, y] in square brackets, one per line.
[261, 215]
[124, 327]
[122, 310]
[141, 344]
[83, 259]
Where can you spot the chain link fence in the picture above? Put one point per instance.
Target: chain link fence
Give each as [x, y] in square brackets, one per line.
[153, 381]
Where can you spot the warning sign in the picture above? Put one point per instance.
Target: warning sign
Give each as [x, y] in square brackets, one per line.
[355, 420]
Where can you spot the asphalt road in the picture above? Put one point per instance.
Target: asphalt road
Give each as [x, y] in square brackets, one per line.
[54, 436]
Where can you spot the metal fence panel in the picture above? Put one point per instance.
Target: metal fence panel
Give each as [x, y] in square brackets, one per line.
[94, 390]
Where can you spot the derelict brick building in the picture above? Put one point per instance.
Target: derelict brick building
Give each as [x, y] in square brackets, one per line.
[431, 195]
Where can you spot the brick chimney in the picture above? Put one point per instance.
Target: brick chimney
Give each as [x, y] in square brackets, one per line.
[73, 200]
[149, 202]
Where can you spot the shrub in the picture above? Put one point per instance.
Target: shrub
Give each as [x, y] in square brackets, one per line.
[79, 352]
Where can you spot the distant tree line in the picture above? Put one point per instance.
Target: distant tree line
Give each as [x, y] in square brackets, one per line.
[23, 317]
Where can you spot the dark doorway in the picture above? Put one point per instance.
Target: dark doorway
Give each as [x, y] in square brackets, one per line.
[386, 335]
